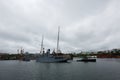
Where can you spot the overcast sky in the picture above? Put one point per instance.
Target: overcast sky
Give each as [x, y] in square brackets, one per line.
[85, 24]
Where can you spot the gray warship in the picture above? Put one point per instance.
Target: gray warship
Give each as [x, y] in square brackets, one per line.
[46, 57]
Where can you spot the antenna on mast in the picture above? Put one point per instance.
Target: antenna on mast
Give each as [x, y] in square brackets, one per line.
[58, 39]
[42, 45]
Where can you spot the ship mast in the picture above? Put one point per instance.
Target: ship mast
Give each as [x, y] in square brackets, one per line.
[42, 45]
[58, 39]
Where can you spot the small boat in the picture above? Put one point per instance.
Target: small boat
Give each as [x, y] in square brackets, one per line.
[86, 59]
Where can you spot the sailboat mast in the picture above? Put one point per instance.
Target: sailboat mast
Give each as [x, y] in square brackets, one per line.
[58, 39]
[42, 45]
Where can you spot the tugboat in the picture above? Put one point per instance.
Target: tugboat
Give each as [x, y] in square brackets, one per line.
[47, 57]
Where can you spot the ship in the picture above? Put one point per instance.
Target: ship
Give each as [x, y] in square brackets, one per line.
[23, 56]
[26, 57]
[46, 57]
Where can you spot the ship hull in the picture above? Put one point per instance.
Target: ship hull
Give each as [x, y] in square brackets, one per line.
[50, 60]
[87, 60]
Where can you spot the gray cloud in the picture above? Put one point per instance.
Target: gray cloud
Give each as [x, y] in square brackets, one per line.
[85, 25]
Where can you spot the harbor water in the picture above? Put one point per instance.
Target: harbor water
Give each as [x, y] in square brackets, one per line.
[102, 69]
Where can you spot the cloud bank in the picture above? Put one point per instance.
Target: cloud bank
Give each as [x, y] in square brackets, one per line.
[85, 25]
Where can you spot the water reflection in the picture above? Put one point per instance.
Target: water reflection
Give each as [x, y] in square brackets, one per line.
[103, 69]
